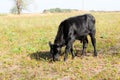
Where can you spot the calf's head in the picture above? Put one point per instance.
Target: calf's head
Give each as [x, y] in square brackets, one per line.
[55, 50]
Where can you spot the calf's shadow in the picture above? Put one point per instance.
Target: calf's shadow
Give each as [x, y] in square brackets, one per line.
[45, 55]
[42, 55]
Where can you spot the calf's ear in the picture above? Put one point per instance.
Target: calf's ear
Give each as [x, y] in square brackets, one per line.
[50, 44]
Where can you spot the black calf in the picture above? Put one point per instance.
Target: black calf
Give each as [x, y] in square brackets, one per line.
[71, 29]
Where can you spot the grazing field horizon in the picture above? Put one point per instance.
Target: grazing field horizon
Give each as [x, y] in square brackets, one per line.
[24, 49]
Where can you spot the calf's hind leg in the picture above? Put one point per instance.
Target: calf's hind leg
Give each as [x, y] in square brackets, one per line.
[72, 52]
[93, 39]
[85, 43]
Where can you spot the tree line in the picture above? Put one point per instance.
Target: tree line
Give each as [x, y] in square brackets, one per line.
[20, 5]
[58, 10]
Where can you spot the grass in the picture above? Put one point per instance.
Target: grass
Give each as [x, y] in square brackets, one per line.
[24, 50]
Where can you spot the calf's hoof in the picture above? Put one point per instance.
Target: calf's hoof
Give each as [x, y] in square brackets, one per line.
[65, 59]
[95, 55]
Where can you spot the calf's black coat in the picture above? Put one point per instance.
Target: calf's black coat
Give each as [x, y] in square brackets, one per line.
[71, 29]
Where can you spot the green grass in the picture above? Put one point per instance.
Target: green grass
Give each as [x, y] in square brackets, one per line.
[24, 49]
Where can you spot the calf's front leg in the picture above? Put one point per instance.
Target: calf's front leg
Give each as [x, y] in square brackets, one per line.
[69, 49]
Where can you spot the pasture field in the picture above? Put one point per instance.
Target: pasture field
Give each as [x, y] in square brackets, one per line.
[24, 49]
